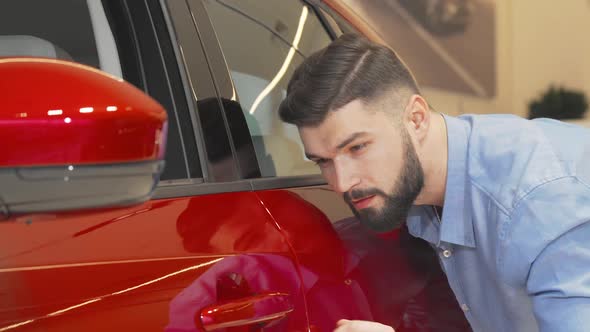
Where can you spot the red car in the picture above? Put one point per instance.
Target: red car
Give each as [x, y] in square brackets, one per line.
[238, 232]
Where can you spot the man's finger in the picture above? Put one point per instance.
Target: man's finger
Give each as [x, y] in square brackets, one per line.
[345, 325]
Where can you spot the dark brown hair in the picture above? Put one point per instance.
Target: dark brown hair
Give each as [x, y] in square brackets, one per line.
[351, 67]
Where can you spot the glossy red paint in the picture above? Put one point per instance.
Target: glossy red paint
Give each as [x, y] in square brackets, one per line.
[91, 117]
[393, 279]
[254, 311]
[151, 267]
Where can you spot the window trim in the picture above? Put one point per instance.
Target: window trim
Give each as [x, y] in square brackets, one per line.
[288, 182]
[197, 189]
[135, 22]
[223, 84]
[326, 18]
[133, 74]
[197, 65]
[187, 85]
[168, 82]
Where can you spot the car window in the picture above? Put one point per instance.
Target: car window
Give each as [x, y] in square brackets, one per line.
[263, 42]
[62, 29]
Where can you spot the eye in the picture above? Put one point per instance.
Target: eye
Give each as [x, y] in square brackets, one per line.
[321, 162]
[358, 147]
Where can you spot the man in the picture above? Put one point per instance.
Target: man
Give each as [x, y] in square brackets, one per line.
[504, 201]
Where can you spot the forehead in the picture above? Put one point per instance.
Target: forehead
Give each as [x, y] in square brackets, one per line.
[340, 124]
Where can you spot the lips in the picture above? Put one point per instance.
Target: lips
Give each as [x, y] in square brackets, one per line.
[363, 202]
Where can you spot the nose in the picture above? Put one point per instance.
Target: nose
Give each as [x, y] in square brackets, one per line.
[344, 177]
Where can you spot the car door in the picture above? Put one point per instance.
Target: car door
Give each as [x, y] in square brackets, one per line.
[357, 275]
[204, 253]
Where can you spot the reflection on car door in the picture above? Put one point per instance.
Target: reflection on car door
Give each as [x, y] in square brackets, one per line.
[148, 267]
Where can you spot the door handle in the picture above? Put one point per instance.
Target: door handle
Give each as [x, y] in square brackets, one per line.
[258, 309]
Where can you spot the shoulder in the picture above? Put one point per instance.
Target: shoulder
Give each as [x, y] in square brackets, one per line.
[509, 157]
[552, 211]
[538, 173]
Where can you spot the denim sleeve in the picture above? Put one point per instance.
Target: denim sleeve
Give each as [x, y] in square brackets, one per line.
[559, 282]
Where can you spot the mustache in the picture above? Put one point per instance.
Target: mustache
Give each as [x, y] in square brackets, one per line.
[361, 193]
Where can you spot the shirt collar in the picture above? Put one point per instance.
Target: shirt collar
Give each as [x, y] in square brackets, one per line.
[457, 224]
[421, 223]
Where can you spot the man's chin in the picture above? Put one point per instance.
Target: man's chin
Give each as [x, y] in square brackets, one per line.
[382, 226]
[376, 222]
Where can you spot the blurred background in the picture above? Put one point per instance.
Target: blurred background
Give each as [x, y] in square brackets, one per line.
[526, 57]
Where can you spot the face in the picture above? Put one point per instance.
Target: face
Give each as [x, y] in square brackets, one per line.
[369, 158]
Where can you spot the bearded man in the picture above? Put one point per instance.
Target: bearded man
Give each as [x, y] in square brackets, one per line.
[503, 200]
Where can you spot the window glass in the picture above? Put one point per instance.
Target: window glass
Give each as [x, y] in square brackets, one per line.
[263, 42]
[60, 29]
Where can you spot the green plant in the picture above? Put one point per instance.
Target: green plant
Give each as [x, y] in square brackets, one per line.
[559, 103]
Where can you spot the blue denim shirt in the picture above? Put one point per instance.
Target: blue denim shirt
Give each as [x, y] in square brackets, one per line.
[514, 239]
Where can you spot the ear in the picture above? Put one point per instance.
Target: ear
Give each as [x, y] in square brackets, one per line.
[417, 117]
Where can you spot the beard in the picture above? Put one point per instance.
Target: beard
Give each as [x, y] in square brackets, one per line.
[398, 202]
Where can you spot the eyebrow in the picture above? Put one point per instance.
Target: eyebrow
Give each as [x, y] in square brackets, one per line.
[340, 146]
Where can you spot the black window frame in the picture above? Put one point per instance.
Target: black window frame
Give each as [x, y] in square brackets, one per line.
[201, 93]
[146, 52]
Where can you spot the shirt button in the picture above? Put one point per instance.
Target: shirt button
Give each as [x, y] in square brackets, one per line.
[447, 253]
[464, 307]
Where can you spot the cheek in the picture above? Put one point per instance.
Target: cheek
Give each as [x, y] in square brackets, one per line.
[383, 166]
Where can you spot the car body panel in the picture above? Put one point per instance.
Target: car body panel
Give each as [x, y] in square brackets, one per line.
[156, 252]
[77, 115]
[393, 279]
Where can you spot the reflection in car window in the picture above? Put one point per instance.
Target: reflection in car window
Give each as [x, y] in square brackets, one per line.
[263, 42]
[62, 29]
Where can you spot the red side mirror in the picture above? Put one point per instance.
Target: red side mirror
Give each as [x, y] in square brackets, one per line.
[74, 137]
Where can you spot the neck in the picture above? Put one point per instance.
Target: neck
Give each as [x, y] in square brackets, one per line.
[434, 159]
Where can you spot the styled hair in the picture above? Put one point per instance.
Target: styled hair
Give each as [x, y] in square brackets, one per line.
[351, 67]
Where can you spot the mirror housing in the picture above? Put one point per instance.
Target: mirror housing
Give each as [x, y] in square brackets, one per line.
[74, 137]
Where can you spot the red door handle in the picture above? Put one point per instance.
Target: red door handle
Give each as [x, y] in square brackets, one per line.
[261, 308]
